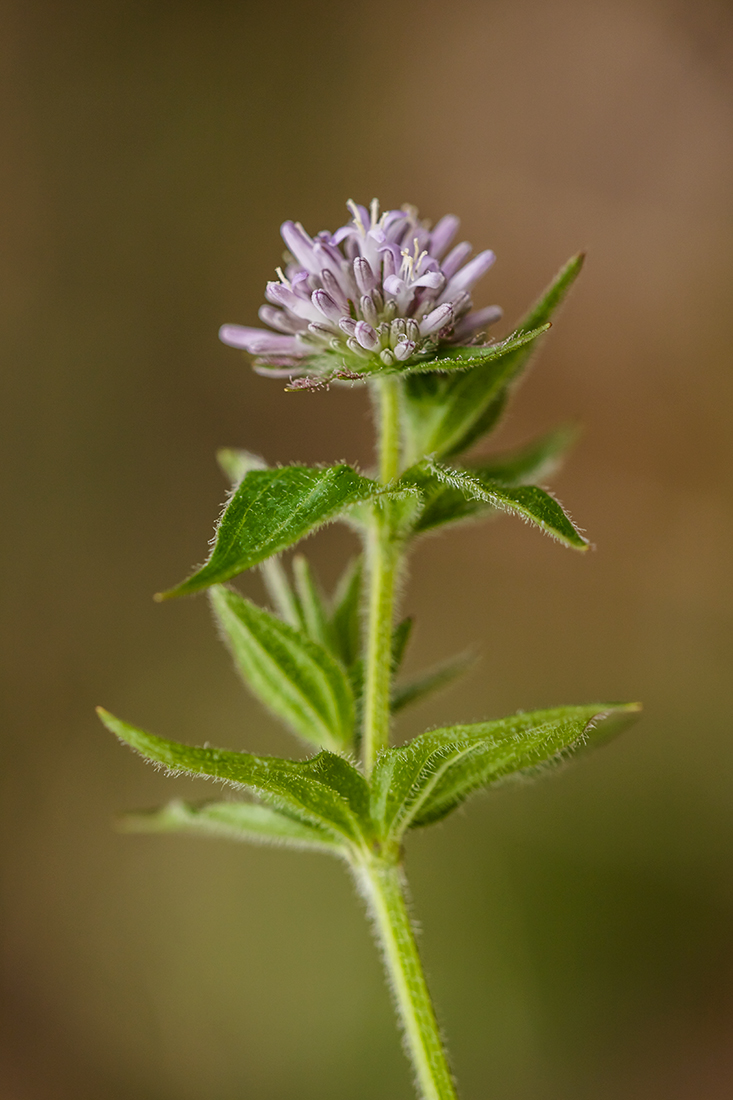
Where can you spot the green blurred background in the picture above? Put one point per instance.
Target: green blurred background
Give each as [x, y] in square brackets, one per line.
[578, 932]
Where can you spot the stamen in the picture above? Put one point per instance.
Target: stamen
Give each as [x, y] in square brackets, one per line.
[356, 215]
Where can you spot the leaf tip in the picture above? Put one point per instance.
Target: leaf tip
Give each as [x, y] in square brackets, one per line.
[613, 719]
[108, 720]
[182, 589]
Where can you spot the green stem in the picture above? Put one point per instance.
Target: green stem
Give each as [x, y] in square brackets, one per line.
[382, 554]
[379, 876]
[383, 887]
[382, 564]
[389, 428]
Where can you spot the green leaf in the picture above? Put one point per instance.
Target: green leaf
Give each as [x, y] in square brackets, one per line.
[400, 638]
[437, 771]
[281, 593]
[469, 493]
[461, 359]
[233, 821]
[403, 779]
[325, 791]
[235, 463]
[530, 463]
[346, 612]
[553, 295]
[429, 682]
[445, 416]
[269, 511]
[295, 677]
[316, 617]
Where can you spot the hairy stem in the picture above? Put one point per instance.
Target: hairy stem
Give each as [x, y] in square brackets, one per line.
[382, 555]
[389, 428]
[379, 876]
[382, 885]
[382, 564]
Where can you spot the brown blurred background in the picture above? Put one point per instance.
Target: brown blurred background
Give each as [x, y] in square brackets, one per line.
[577, 933]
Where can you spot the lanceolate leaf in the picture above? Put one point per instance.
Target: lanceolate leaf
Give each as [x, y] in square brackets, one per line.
[400, 639]
[439, 417]
[459, 359]
[528, 464]
[439, 770]
[280, 591]
[269, 511]
[313, 604]
[447, 415]
[404, 778]
[429, 682]
[234, 821]
[325, 791]
[346, 613]
[236, 463]
[298, 679]
[469, 494]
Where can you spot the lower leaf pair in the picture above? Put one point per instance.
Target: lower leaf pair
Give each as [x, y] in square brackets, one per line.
[326, 803]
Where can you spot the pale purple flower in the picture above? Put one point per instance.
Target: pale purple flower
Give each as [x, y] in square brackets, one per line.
[380, 290]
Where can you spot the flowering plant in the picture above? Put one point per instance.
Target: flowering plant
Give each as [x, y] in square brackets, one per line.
[383, 302]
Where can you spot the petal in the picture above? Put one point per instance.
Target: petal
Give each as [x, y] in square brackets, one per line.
[437, 319]
[258, 341]
[394, 285]
[281, 320]
[366, 336]
[455, 258]
[299, 243]
[471, 273]
[479, 319]
[433, 279]
[443, 234]
[323, 302]
[404, 349]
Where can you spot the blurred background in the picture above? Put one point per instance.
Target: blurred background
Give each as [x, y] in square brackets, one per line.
[578, 932]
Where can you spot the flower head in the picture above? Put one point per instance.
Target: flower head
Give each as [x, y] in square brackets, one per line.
[381, 292]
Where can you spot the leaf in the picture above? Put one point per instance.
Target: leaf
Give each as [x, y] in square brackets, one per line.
[553, 295]
[325, 791]
[404, 777]
[313, 605]
[236, 463]
[234, 821]
[281, 593]
[522, 746]
[295, 677]
[400, 638]
[403, 695]
[470, 491]
[445, 416]
[532, 462]
[269, 511]
[346, 612]
[460, 359]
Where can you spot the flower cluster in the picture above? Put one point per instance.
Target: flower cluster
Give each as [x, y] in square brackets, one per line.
[382, 291]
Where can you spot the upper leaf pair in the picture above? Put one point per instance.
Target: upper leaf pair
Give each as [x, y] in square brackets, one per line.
[444, 413]
[270, 510]
[327, 803]
[451, 495]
